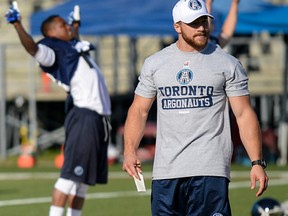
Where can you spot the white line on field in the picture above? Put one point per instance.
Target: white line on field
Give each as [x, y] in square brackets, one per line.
[119, 175]
[106, 195]
[109, 195]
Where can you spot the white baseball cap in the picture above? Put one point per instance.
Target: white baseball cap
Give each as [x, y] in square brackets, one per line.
[189, 10]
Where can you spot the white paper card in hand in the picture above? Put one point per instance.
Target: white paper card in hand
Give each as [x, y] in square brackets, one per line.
[140, 184]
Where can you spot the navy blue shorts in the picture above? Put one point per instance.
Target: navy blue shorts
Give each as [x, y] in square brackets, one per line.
[86, 146]
[191, 196]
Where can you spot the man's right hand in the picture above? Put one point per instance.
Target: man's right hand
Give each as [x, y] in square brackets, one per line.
[13, 13]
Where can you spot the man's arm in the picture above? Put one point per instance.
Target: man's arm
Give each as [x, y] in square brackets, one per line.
[75, 30]
[229, 25]
[209, 5]
[26, 40]
[43, 54]
[133, 133]
[251, 138]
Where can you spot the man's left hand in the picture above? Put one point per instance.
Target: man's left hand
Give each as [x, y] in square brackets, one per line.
[74, 16]
[258, 174]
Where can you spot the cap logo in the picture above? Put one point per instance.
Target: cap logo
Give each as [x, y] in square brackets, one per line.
[194, 5]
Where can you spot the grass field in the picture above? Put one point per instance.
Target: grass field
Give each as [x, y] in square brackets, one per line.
[26, 192]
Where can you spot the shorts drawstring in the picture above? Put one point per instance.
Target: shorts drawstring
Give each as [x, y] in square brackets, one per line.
[107, 128]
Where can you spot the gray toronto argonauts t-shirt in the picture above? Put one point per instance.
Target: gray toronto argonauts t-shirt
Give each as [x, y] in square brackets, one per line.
[193, 129]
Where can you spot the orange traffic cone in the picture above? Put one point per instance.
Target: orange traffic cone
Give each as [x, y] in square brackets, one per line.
[59, 159]
[26, 161]
[46, 83]
[27, 158]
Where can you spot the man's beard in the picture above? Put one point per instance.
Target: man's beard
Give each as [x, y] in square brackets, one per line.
[193, 42]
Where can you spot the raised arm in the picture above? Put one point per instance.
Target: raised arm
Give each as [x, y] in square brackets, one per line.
[26, 40]
[13, 17]
[74, 21]
[251, 138]
[229, 25]
[209, 5]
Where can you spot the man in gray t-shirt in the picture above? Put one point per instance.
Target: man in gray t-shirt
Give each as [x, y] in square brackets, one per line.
[192, 103]
[195, 84]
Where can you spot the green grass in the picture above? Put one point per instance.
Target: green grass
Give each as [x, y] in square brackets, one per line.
[121, 196]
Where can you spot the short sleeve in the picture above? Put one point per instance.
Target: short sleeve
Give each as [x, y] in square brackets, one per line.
[45, 55]
[237, 82]
[146, 86]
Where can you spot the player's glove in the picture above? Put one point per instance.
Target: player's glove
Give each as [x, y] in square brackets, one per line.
[13, 14]
[74, 16]
[84, 46]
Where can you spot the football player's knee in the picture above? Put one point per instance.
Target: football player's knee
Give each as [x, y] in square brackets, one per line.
[64, 185]
[79, 189]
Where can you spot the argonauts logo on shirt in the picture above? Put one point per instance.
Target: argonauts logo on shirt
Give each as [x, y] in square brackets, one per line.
[186, 96]
[184, 76]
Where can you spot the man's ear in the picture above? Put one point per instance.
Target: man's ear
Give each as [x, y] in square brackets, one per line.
[177, 27]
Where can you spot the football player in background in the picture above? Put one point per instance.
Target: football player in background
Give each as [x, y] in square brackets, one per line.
[66, 59]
